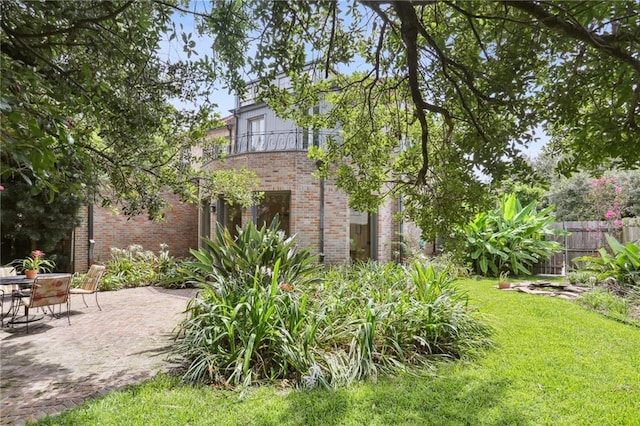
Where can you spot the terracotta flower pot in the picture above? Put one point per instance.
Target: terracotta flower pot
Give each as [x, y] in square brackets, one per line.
[31, 273]
[504, 284]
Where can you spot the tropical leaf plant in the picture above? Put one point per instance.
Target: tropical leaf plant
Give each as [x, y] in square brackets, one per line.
[511, 238]
[623, 262]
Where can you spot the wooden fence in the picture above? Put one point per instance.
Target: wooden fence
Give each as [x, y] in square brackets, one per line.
[584, 239]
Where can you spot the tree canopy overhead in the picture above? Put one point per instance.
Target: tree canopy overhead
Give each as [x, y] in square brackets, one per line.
[448, 92]
[445, 92]
[87, 102]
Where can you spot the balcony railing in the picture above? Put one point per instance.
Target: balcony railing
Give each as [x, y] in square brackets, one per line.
[290, 140]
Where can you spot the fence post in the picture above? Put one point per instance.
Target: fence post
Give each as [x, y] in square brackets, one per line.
[566, 249]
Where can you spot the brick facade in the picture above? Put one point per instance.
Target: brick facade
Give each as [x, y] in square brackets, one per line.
[80, 243]
[292, 171]
[179, 231]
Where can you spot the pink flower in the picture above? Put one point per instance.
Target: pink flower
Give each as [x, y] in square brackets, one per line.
[618, 222]
[616, 205]
[618, 189]
[1, 188]
[610, 214]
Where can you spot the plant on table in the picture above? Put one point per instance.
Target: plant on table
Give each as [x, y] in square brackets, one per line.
[35, 262]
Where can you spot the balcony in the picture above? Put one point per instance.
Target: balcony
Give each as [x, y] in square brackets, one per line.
[290, 140]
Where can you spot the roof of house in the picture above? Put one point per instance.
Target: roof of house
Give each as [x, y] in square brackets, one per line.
[228, 120]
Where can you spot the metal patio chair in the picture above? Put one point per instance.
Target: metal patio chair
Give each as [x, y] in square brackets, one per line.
[90, 283]
[46, 292]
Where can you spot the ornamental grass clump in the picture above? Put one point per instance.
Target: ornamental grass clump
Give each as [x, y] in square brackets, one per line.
[241, 334]
[289, 320]
[382, 319]
[250, 322]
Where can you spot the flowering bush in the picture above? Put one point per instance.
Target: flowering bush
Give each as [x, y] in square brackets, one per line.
[606, 200]
[36, 262]
[134, 267]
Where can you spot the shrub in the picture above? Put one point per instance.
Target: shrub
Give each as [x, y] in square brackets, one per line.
[175, 274]
[606, 303]
[135, 266]
[254, 251]
[239, 333]
[582, 278]
[256, 320]
[249, 322]
[623, 263]
[510, 238]
[381, 319]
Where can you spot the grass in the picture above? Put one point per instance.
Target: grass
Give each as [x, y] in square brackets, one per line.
[555, 363]
[608, 304]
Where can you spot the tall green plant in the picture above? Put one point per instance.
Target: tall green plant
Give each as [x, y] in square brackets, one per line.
[377, 320]
[511, 238]
[623, 263]
[250, 321]
[243, 334]
[358, 322]
[229, 259]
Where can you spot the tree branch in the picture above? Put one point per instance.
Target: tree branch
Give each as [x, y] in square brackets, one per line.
[77, 24]
[409, 32]
[562, 26]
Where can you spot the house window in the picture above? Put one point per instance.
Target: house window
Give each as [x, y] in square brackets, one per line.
[274, 203]
[249, 96]
[284, 83]
[256, 129]
[363, 235]
[205, 220]
[230, 217]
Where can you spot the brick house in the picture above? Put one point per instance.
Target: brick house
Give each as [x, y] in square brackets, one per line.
[313, 209]
[101, 229]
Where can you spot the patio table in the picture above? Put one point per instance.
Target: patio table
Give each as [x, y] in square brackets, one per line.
[22, 282]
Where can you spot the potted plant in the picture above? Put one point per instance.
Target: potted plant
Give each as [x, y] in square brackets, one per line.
[502, 281]
[33, 264]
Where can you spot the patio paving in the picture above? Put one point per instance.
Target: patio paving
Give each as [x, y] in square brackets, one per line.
[57, 366]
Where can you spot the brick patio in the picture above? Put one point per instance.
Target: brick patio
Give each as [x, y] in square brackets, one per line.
[57, 366]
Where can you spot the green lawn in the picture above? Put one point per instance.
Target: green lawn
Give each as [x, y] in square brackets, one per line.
[555, 363]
